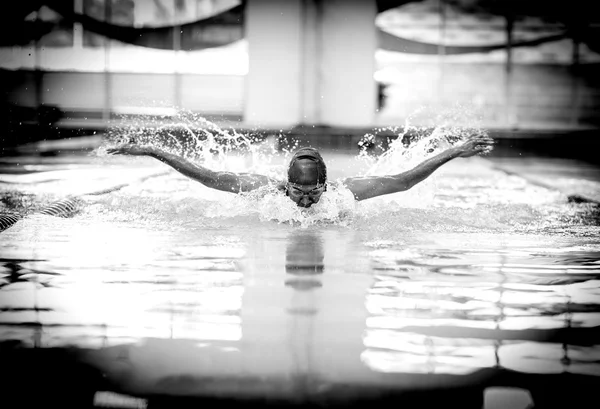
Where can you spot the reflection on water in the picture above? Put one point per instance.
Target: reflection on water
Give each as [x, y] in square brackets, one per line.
[84, 291]
[296, 312]
[304, 261]
[457, 312]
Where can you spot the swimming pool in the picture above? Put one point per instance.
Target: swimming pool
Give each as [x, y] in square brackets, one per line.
[472, 280]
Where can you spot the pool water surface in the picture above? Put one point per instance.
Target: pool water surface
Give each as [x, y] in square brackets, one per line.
[163, 288]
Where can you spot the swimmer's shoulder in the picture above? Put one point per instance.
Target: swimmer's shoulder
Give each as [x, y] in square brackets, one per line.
[280, 185]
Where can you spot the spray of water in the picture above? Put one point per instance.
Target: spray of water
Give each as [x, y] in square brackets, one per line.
[386, 151]
[393, 150]
[336, 207]
[424, 134]
[193, 137]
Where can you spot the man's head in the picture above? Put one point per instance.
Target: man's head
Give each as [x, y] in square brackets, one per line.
[307, 177]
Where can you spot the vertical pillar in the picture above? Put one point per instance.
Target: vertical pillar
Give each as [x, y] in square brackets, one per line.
[273, 85]
[441, 50]
[312, 50]
[106, 112]
[77, 27]
[508, 72]
[311, 62]
[575, 71]
[177, 56]
[349, 92]
[38, 78]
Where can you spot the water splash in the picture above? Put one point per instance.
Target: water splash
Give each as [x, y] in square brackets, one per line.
[425, 134]
[466, 197]
[335, 207]
[195, 138]
[203, 142]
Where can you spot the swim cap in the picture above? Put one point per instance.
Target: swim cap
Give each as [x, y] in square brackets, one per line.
[307, 167]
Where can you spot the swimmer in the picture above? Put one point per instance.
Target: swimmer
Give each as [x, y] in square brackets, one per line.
[307, 173]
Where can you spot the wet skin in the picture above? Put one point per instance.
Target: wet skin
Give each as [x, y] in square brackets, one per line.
[305, 195]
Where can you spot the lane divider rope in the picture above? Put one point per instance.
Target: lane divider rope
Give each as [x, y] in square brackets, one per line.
[571, 197]
[67, 206]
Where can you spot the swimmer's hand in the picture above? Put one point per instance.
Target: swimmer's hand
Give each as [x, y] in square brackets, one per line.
[474, 145]
[129, 149]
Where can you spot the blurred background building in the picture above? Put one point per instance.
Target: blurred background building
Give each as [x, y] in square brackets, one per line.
[527, 64]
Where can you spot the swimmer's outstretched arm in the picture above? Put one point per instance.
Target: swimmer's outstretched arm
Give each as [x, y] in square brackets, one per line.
[372, 186]
[225, 181]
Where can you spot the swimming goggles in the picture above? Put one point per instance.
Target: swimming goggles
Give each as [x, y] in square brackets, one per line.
[298, 191]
